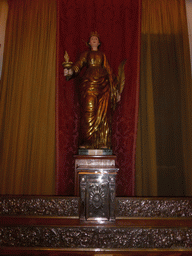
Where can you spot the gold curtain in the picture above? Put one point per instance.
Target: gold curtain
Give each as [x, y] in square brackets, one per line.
[27, 104]
[3, 19]
[164, 141]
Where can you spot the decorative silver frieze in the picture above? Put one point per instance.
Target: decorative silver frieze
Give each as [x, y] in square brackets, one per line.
[69, 206]
[39, 206]
[154, 207]
[96, 237]
[95, 162]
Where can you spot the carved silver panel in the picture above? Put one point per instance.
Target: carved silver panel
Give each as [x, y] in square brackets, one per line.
[97, 237]
[69, 206]
[154, 207]
[97, 196]
[94, 162]
[39, 206]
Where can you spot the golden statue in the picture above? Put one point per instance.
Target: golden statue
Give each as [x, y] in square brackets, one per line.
[100, 91]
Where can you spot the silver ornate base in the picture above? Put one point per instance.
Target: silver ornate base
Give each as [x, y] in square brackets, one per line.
[97, 196]
[97, 182]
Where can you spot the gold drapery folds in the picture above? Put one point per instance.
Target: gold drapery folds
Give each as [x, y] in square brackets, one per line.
[98, 91]
[27, 106]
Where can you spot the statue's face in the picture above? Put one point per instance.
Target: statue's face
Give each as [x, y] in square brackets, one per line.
[94, 41]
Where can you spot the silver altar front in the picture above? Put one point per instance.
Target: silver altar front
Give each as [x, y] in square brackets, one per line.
[96, 185]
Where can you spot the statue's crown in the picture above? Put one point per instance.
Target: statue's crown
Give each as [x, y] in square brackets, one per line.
[94, 34]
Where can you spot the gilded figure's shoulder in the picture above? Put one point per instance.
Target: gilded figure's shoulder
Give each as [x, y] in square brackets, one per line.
[84, 53]
[103, 54]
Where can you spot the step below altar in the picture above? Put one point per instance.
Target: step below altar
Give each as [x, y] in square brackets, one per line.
[95, 221]
[32, 225]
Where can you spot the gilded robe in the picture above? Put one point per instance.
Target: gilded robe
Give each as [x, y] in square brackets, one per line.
[98, 95]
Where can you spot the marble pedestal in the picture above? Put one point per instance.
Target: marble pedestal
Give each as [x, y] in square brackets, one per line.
[95, 182]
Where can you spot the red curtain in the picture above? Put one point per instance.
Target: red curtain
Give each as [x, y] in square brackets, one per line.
[118, 24]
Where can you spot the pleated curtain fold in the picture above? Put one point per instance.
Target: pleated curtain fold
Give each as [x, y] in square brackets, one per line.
[27, 99]
[164, 139]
